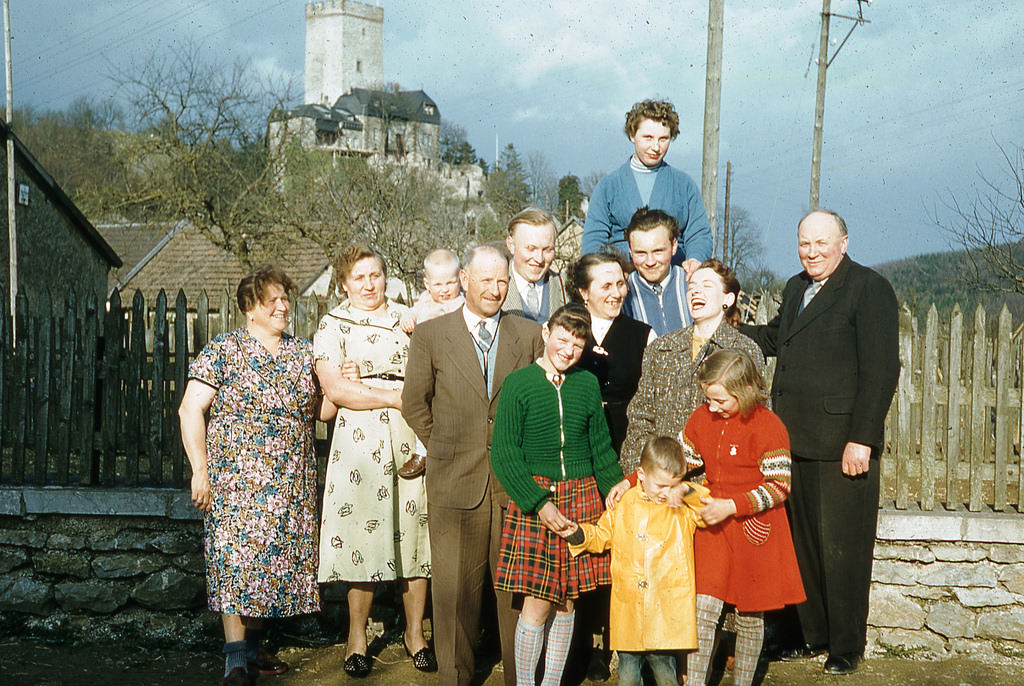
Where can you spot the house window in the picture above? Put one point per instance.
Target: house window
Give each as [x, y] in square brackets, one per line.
[23, 192]
[359, 66]
[429, 109]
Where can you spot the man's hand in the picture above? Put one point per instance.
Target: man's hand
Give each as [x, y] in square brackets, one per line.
[856, 459]
[615, 495]
[553, 519]
[690, 266]
[717, 510]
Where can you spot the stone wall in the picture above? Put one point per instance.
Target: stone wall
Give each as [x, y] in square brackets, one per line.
[948, 584]
[123, 565]
[113, 565]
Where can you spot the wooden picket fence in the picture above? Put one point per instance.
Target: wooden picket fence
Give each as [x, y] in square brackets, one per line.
[90, 396]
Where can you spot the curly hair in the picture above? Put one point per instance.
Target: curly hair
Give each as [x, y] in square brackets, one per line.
[348, 257]
[253, 287]
[661, 111]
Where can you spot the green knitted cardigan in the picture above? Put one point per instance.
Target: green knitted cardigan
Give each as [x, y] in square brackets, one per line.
[528, 429]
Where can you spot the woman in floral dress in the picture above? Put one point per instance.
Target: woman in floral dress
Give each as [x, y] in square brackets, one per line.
[253, 470]
[374, 525]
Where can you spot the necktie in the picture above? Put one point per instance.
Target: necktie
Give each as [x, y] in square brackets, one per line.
[657, 289]
[533, 299]
[484, 337]
[812, 290]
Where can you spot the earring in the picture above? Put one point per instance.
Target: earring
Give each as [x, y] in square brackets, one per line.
[725, 307]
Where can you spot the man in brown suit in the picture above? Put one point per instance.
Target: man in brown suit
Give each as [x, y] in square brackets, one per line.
[457, 363]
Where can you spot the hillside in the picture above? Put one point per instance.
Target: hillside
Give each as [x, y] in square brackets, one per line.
[937, 278]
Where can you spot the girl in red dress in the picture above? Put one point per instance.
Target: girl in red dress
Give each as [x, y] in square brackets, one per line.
[745, 555]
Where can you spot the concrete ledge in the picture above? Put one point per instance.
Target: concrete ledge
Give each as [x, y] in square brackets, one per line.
[978, 527]
[127, 502]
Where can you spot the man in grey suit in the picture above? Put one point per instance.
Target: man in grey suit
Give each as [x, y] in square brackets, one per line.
[836, 340]
[456, 366]
[535, 291]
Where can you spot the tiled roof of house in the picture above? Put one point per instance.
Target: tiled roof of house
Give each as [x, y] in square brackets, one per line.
[187, 260]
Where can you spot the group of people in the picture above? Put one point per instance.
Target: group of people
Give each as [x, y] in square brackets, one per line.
[516, 424]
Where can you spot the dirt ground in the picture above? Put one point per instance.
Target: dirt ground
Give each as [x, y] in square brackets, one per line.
[23, 663]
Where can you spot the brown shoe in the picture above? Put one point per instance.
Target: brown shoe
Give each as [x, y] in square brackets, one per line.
[416, 465]
[267, 664]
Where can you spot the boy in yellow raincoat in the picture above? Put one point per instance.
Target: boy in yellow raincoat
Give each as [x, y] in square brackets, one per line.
[653, 603]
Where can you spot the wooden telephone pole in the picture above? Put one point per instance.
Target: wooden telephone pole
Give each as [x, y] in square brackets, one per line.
[725, 219]
[712, 109]
[12, 231]
[819, 104]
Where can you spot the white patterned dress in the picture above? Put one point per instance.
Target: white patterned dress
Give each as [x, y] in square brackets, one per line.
[374, 524]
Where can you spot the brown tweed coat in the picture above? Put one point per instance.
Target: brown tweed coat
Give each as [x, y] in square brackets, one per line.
[668, 392]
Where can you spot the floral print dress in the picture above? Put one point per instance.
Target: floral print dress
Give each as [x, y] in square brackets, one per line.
[261, 532]
[374, 524]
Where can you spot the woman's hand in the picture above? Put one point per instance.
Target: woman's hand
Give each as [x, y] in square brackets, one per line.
[615, 495]
[675, 495]
[408, 323]
[717, 510]
[350, 370]
[553, 519]
[573, 528]
[201, 497]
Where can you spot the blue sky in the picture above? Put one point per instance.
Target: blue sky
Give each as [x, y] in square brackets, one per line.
[917, 100]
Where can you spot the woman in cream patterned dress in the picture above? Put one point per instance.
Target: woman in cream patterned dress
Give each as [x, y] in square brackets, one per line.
[374, 525]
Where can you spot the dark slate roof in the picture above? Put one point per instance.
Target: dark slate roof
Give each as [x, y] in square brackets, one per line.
[404, 105]
[327, 118]
[58, 197]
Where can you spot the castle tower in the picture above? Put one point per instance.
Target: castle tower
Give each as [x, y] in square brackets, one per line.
[344, 48]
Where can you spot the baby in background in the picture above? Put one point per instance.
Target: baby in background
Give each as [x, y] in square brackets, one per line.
[442, 294]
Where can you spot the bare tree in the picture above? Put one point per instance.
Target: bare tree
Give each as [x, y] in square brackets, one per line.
[199, 151]
[542, 181]
[989, 227]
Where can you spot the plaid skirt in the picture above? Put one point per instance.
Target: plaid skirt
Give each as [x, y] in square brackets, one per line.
[535, 561]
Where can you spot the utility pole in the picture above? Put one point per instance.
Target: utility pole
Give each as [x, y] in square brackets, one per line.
[725, 219]
[12, 231]
[712, 110]
[819, 104]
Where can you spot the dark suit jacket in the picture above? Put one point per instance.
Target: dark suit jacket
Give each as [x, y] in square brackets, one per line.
[444, 400]
[838, 360]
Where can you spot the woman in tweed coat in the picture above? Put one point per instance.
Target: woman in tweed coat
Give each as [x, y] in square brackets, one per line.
[669, 392]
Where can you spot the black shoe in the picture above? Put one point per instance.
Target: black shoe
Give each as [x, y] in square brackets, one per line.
[598, 670]
[423, 659]
[846, 663]
[357, 665]
[804, 652]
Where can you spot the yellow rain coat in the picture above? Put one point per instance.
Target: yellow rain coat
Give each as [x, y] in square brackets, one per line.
[653, 603]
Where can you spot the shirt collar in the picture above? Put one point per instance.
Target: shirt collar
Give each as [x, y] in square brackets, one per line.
[473, 321]
[522, 283]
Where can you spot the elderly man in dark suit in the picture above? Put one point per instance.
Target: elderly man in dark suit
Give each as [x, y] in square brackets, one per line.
[836, 340]
[456, 366]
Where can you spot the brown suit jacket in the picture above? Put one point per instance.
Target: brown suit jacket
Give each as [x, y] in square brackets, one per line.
[445, 401]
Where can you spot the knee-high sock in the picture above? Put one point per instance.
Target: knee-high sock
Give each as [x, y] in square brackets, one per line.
[529, 645]
[234, 656]
[559, 640]
[709, 611]
[749, 637]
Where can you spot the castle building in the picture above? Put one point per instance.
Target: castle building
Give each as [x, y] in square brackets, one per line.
[348, 110]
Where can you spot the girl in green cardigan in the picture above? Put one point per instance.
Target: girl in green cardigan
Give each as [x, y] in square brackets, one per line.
[552, 453]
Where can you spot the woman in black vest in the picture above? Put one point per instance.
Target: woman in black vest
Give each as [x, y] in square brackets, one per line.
[613, 354]
[617, 342]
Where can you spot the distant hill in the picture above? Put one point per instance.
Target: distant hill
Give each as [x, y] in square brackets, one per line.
[937, 278]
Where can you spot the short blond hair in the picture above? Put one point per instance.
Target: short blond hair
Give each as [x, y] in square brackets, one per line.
[441, 258]
[664, 453]
[534, 216]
